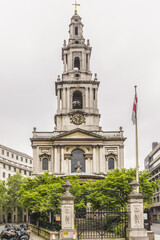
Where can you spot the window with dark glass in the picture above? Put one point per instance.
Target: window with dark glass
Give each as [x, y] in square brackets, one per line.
[17, 157]
[94, 93]
[110, 163]
[7, 154]
[77, 63]
[77, 160]
[76, 30]
[3, 152]
[12, 155]
[45, 164]
[77, 100]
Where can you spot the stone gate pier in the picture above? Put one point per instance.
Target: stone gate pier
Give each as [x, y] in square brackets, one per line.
[136, 230]
[67, 214]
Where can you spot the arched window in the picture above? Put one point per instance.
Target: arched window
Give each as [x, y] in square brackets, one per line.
[77, 63]
[110, 163]
[76, 30]
[78, 161]
[77, 100]
[45, 164]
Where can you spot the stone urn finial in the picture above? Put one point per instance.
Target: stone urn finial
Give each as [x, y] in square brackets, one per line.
[67, 185]
[134, 184]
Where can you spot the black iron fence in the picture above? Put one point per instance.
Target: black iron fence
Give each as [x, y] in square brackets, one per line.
[48, 220]
[101, 224]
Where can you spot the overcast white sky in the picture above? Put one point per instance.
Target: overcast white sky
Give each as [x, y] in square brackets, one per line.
[125, 37]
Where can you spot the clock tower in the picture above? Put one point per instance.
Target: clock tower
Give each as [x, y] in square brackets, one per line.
[77, 92]
[78, 145]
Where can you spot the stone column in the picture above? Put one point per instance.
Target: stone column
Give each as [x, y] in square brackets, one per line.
[94, 159]
[136, 229]
[62, 159]
[68, 98]
[55, 160]
[58, 100]
[67, 214]
[101, 160]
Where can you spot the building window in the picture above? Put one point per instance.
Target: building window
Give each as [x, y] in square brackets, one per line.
[4, 166]
[26, 160]
[12, 155]
[30, 161]
[77, 63]
[9, 175]
[9, 167]
[76, 30]
[20, 170]
[77, 100]
[110, 163]
[22, 159]
[25, 172]
[45, 164]
[94, 93]
[77, 160]
[17, 157]
[29, 173]
[14, 169]
[2, 151]
[7, 154]
[4, 174]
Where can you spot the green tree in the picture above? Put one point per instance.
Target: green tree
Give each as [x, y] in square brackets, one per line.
[3, 191]
[13, 185]
[42, 193]
[113, 191]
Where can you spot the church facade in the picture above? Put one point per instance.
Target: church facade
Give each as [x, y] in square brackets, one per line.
[78, 145]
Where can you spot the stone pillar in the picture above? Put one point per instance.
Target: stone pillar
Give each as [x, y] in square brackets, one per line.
[136, 229]
[86, 89]
[62, 159]
[94, 159]
[67, 214]
[55, 160]
[58, 100]
[101, 161]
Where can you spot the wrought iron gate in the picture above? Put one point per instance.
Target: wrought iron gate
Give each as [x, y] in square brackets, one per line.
[101, 224]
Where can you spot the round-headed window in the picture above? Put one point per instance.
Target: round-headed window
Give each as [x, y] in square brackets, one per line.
[45, 164]
[77, 100]
[110, 163]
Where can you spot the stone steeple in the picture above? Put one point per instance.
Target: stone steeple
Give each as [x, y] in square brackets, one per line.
[77, 93]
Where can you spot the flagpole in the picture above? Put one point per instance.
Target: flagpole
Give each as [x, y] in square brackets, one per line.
[136, 134]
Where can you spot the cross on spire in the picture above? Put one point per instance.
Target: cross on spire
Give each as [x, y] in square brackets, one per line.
[76, 5]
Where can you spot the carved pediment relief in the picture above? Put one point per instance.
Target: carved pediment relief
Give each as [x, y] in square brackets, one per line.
[44, 155]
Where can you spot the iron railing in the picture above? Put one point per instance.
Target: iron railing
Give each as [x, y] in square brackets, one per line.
[101, 224]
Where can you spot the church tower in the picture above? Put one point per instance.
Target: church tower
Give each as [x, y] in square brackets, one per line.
[78, 145]
[77, 93]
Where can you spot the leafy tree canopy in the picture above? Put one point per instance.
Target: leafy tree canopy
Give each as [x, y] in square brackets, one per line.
[44, 191]
[13, 185]
[3, 191]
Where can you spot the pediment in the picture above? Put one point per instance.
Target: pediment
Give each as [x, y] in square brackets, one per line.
[79, 134]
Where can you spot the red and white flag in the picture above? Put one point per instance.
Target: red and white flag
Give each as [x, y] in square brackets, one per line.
[134, 111]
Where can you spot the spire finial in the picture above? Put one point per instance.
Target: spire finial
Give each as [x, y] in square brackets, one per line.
[76, 5]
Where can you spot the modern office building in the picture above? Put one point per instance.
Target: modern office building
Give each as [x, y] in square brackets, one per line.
[12, 161]
[152, 163]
